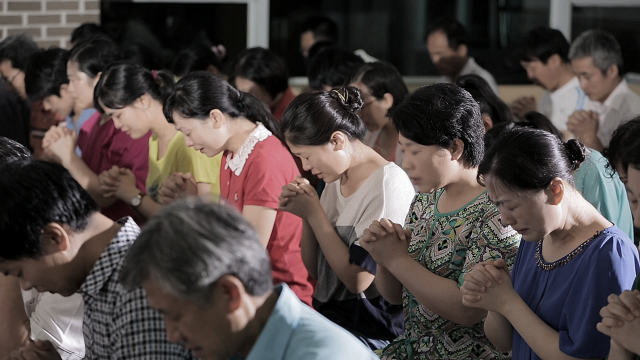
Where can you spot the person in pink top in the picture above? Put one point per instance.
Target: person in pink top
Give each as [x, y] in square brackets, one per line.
[215, 117]
[102, 145]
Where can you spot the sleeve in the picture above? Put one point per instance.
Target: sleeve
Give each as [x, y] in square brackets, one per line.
[267, 173]
[611, 270]
[138, 331]
[488, 240]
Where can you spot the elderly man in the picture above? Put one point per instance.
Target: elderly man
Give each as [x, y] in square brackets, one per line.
[203, 267]
[447, 46]
[54, 239]
[597, 62]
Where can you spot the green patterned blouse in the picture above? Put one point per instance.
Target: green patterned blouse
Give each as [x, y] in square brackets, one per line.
[448, 245]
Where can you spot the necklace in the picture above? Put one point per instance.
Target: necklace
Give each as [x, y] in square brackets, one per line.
[565, 259]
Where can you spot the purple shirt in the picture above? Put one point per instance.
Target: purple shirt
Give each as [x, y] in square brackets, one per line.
[569, 297]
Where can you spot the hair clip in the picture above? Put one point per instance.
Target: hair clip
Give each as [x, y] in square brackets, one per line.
[344, 97]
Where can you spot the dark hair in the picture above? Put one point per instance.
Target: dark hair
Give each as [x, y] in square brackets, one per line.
[17, 49]
[312, 117]
[197, 57]
[93, 56]
[86, 31]
[263, 67]
[492, 135]
[625, 137]
[198, 93]
[191, 244]
[382, 78]
[452, 29]
[489, 102]
[543, 42]
[322, 28]
[332, 67]
[440, 113]
[11, 151]
[34, 194]
[529, 159]
[631, 157]
[121, 84]
[46, 72]
[536, 120]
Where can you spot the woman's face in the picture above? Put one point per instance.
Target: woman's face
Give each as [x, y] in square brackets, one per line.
[374, 111]
[529, 212]
[633, 191]
[80, 86]
[327, 162]
[200, 134]
[429, 166]
[131, 119]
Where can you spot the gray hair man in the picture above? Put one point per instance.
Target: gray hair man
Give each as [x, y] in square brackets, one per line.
[204, 268]
[596, 60]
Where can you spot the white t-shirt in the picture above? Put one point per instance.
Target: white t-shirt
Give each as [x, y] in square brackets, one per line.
[387, 193]
[56, 319]
[561, 103]
[622, 105]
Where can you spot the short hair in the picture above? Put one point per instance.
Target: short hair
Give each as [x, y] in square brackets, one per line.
[333, 67]
[601, 46]
[489, 102]
[190, 244]
[382, 78]
[121, 84]
[86, 31]
[322, 28]
[36, 193]
[312, 117]
[263, 67]
[11, 151]
[440, 113]
[528, 159]
[93, 56]
[46, 72]
[623, 139]
[197, 57]
[18, 49]
[452, 29]
[542, 42]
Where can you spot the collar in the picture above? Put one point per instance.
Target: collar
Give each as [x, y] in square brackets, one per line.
[236, 163]
[468, 67]
[111, 258]
[617, 96]
[276, 334]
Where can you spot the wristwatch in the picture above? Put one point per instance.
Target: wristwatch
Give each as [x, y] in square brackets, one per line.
[137, 200]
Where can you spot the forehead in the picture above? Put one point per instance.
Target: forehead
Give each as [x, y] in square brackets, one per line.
[583, 64]
[499, 192]
[437, 40]
[160, 298]
[303, 149]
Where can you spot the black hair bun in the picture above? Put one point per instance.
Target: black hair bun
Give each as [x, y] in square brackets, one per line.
[349, 97]
[576, 153]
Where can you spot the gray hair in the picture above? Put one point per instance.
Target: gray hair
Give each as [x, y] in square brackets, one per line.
[601, 46]
[190, 244]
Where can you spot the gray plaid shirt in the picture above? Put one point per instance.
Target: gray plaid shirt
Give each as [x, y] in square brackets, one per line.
[120, 324]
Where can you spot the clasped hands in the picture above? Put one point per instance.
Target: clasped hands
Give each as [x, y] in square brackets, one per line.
[59, 143]
[621, 319]
[488, 286]
[300, 198]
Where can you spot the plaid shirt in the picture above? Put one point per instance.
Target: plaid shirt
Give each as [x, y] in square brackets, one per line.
[120, 324]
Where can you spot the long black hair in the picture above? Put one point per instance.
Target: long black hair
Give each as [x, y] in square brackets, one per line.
[489, 102]
[312, 117]
[121, 84]
[198, 93]
[93, 56]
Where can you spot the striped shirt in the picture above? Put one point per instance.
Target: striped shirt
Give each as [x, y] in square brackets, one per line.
[120, 324]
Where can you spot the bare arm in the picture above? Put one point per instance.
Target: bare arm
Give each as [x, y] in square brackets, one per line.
[14, 324]
[499, 331]
[262, 218]
[309, 249]
[388, 286]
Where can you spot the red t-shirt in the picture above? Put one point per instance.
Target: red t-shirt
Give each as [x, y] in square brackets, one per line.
[103, 146]
[278, 109]
[268, 168]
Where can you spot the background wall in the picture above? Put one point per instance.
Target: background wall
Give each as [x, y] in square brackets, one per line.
[48, 22]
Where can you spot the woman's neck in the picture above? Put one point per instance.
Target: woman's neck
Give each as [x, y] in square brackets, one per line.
[580, 220]
[160, 127]
[462, 189]
[362, 163]
[239, 129]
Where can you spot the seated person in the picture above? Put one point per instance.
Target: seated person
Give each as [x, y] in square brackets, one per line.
[332, 67]
[55, 240]
[493, 110]
[596, 60]
[203, 266]
[447, 45]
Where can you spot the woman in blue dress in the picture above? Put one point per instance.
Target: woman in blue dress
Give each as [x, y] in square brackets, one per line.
[571, 258]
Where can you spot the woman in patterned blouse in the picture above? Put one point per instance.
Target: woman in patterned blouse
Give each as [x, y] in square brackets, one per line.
[452, 225]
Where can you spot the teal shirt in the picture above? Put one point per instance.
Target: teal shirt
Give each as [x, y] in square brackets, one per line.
[604, 191]
[296, 331]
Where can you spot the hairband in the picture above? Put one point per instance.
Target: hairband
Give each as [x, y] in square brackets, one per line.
[344, 97]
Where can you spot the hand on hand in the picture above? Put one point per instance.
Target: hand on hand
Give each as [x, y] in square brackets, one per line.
[177, 186]
[523, 105]
[300, 198]
[385, 241]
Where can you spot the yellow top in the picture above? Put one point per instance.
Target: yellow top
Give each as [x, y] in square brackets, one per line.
[183, 159]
